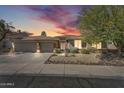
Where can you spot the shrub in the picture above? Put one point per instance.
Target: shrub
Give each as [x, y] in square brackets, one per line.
[6, 50]
[85, 51]
[57, 50]
[74, 50]
[67, 50]
[54, 55]
[93, 50]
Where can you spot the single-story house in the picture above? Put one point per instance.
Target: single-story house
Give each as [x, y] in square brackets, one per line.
[48, 44]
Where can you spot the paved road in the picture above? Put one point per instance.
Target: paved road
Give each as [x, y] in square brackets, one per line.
[57, 82]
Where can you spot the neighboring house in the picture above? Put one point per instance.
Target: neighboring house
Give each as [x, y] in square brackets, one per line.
[8, 42]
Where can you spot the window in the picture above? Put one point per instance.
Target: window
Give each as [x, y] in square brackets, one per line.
[62, 45]
[77, 43]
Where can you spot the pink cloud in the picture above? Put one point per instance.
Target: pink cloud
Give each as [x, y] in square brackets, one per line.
[62, 18]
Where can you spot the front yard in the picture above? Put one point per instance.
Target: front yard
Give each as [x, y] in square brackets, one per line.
[86, 59]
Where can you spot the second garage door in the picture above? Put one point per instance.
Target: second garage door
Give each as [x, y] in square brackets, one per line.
[46, 47]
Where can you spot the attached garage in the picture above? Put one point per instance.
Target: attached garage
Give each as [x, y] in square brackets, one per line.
[25, 46]
[46, 46]
[36, 44]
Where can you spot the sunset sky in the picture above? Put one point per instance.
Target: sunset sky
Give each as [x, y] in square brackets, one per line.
[55, 20]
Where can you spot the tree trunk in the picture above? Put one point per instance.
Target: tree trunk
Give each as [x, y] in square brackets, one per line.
[104, 47]
[3, 37]
[120, 48]
[119, 51]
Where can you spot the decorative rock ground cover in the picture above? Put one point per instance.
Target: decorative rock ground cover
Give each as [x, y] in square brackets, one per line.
[87, 59]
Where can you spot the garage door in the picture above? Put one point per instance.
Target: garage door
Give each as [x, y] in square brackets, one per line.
[46, 47]
[23, 46]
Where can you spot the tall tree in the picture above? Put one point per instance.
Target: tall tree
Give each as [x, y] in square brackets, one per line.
[43, 34]
[4, 29]
[103, 24]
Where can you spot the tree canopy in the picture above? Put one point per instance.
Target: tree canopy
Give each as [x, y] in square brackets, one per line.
[103, 24]
[4, 28]
[43, 34]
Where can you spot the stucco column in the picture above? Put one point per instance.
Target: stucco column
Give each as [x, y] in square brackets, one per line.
[38, 47]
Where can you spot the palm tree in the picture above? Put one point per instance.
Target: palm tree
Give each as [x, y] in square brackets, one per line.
[4, 29]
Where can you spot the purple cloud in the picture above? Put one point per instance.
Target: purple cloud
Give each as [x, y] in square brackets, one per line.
[64, 18]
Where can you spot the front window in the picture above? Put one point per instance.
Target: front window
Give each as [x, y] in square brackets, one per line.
[62, 45]
[77, 43]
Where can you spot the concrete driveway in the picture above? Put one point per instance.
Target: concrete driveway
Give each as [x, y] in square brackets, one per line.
[22, 63]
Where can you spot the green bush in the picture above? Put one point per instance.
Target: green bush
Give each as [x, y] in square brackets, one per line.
[93, 50]
[6, 50]
[74, 50]
[85, 51]
[67, 50]
[54, 55]
[57, 50]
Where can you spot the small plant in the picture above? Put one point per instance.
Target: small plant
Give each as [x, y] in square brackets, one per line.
[93, 50]
[54, 55]
[85, 51]
[73, 55]
[74, 50]
[57, 50]
[6, 50]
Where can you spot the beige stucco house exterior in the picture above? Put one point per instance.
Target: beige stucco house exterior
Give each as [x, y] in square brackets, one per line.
[43, 44]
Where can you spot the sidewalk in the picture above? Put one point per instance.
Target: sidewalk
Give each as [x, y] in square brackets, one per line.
[86, 71]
